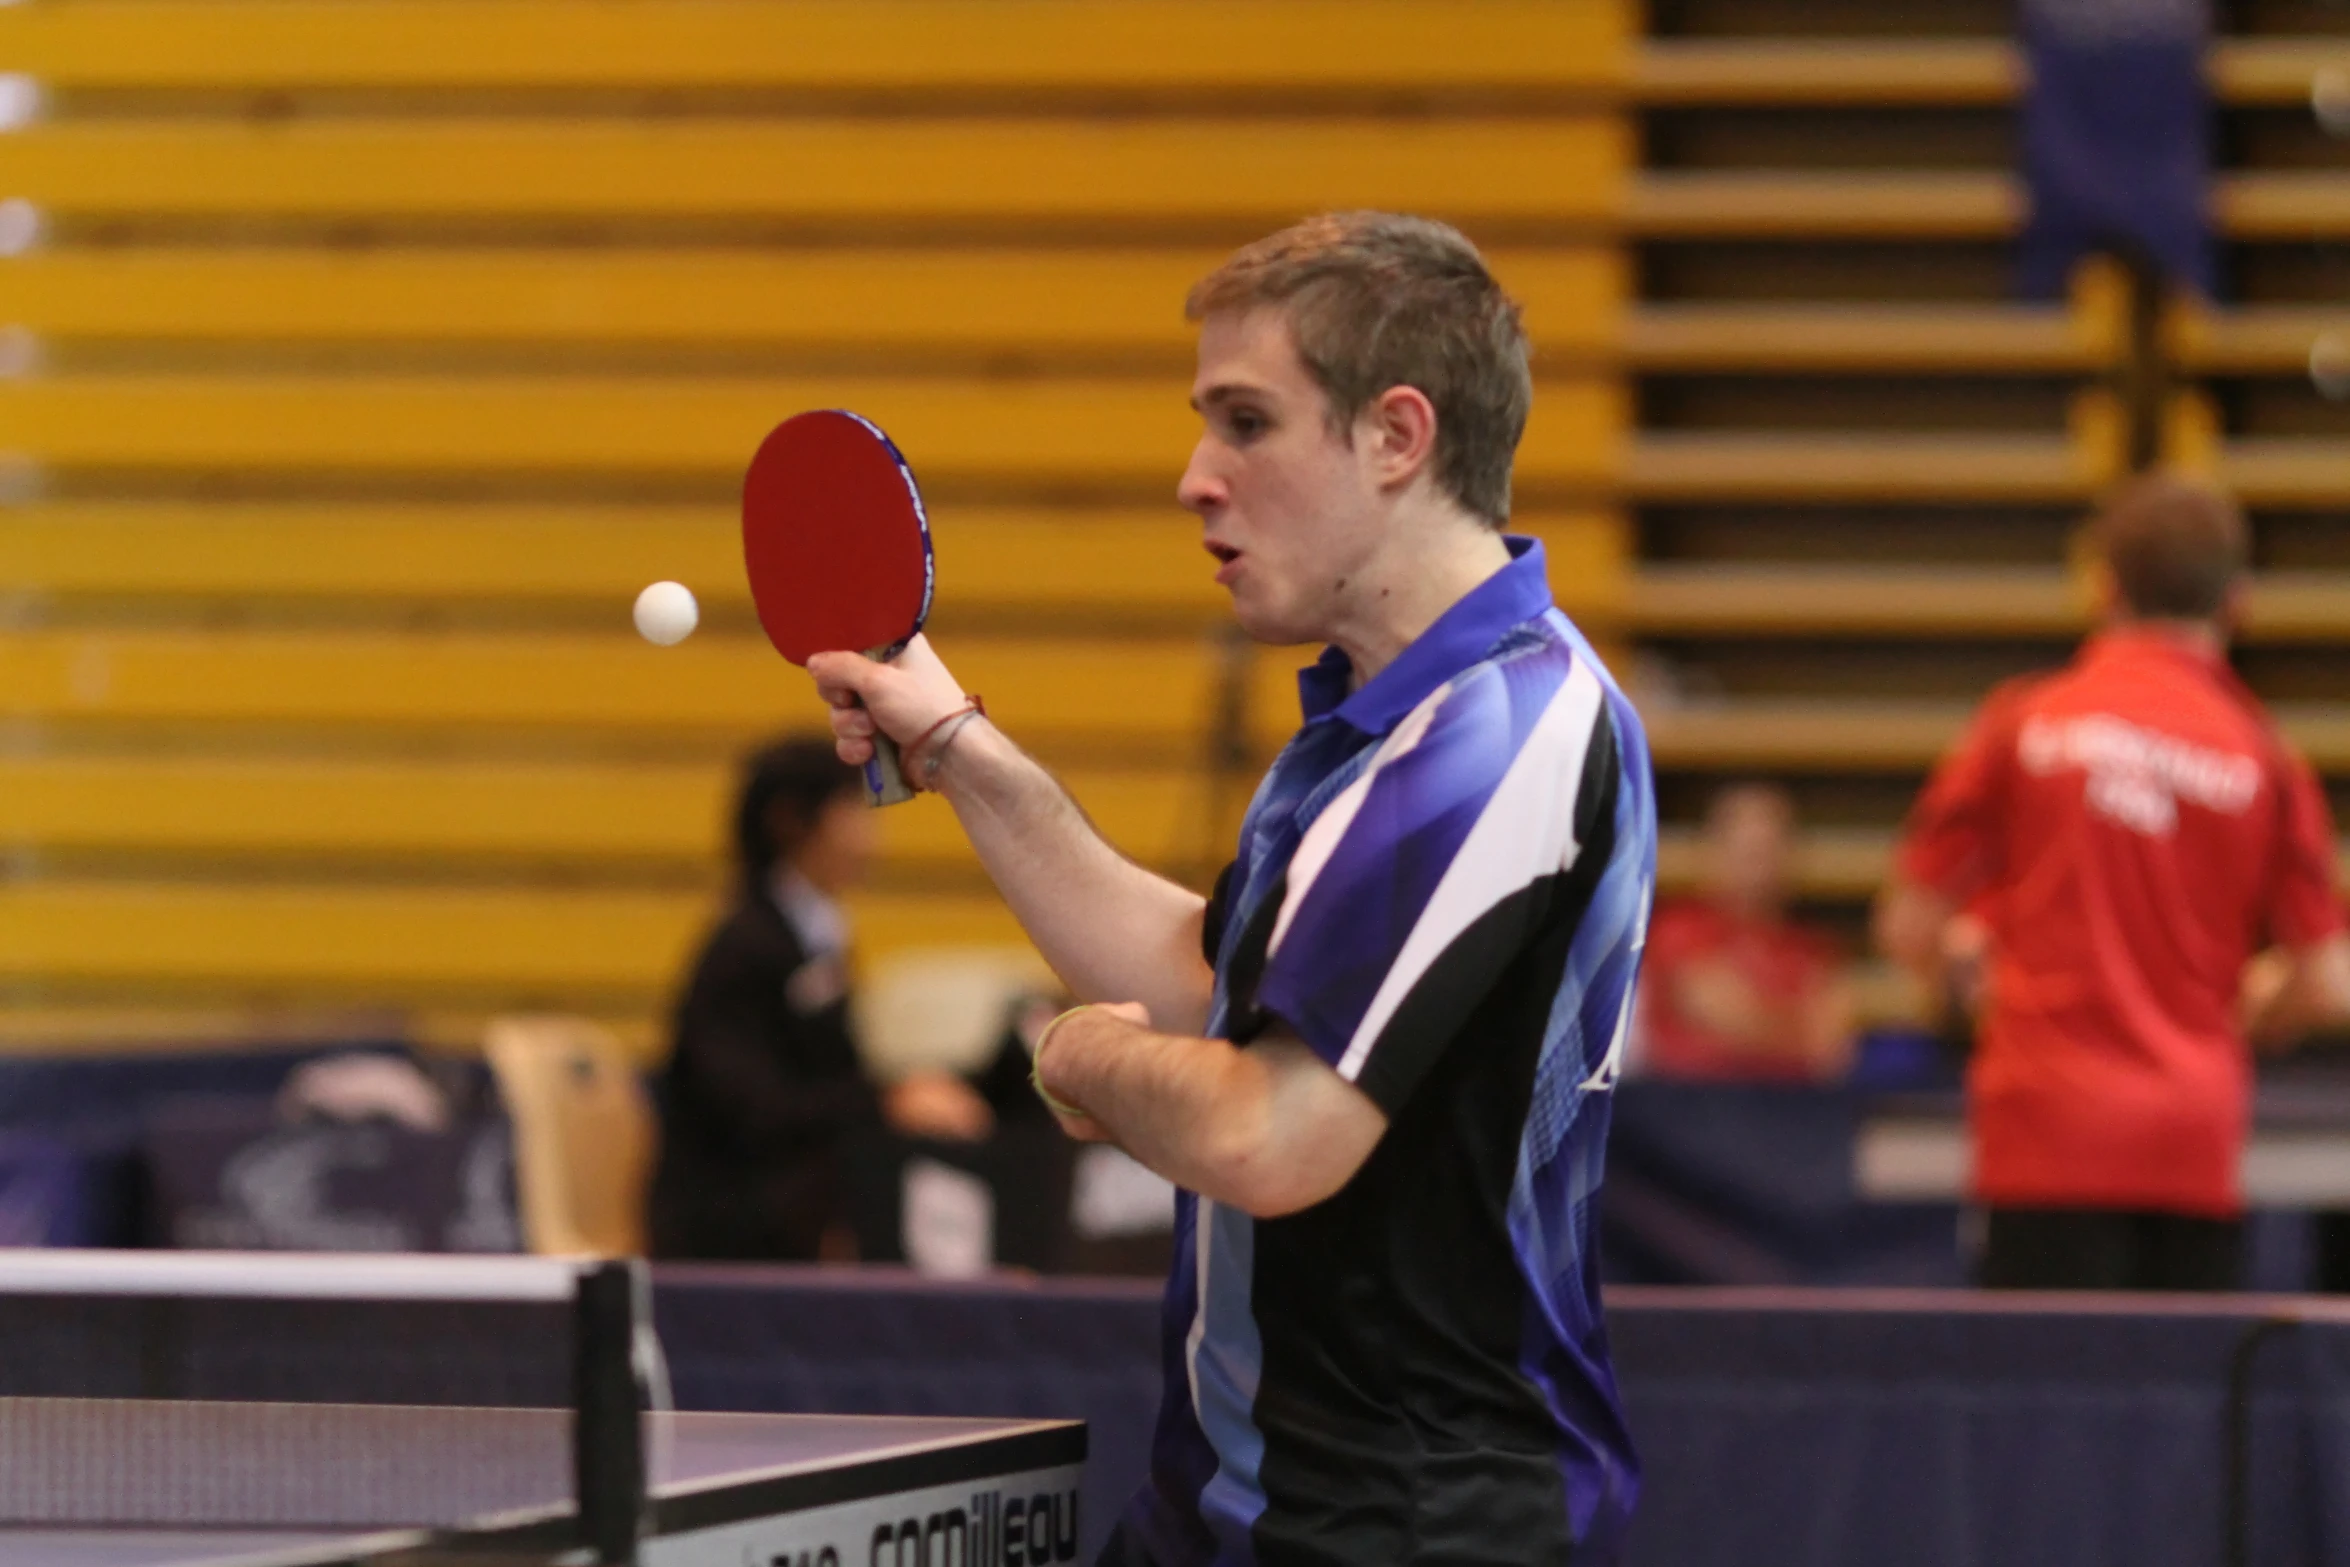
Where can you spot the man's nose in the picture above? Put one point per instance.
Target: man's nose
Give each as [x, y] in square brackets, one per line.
[1200, 489]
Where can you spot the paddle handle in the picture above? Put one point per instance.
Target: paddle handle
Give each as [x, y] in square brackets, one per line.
[885, 780]
[885, 777]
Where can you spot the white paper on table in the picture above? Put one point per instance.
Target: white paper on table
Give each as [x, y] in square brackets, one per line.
[1111, 1195]
[946, 1220]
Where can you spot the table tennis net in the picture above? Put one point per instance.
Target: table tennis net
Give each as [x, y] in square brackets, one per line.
[226, 1391]
[123, 1463]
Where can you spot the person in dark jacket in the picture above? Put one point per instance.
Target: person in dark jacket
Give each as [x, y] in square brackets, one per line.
[763, 1080]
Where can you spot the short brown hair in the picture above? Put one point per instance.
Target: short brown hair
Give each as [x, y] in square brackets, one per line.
[2175, 546]
[1376, 300]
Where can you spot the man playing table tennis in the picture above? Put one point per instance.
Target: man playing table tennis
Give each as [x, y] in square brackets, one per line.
[1378, 1055]
[2128, 830]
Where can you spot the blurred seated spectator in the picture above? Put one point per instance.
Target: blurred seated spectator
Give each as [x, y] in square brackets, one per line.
[1731, 988]
[763, 1079]
[968, 1010]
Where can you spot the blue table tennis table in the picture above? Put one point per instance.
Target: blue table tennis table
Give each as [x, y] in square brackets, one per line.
[99, 1478]
[723, 1490]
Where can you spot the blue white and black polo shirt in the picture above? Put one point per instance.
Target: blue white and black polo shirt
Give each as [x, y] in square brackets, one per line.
[1443, 886]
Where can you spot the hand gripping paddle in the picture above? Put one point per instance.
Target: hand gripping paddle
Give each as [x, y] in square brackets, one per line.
[837, 548]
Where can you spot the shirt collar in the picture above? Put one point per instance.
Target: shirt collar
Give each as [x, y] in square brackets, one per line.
[1461, 635]
[820, 924]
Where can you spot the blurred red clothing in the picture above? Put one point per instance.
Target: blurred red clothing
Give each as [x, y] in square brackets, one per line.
[1782, 963]
[2131, 829]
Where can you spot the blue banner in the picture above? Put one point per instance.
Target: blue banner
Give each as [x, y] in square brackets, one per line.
[2116, 135]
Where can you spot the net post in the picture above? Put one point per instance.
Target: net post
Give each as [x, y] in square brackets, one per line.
[608, 1437]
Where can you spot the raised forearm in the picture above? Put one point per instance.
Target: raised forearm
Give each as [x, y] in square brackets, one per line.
[1112, 930]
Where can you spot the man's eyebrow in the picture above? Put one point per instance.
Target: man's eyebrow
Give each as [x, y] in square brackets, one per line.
[1223, 392]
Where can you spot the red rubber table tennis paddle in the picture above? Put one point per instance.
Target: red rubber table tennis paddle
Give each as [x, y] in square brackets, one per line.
[837, 548]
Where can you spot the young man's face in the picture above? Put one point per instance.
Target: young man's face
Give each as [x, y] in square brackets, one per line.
[1749, 842]
[840, 844]
[1285, 501]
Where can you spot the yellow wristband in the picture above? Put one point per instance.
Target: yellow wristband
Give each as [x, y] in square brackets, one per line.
[1054, 1103]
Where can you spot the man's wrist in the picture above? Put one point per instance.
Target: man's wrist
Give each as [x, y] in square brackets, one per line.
[958, 755]
[1044, 1037]
[921, 755]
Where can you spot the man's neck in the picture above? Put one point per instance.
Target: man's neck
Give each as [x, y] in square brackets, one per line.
[2198, 636]
[1432, 565]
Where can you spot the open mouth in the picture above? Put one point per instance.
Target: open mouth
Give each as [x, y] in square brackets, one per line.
[1225, 554]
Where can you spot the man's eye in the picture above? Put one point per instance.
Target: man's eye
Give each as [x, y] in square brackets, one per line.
[1246, 426]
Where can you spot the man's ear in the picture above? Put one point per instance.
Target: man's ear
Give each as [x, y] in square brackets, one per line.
[1399, 428]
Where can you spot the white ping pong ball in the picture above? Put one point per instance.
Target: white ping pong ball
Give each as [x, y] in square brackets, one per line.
[666, 614]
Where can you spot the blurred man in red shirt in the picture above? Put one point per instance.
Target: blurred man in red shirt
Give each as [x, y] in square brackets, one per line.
[1730, 988]
[2131, 830]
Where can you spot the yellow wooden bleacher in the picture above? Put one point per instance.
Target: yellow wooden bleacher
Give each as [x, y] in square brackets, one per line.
[1931, 72]
[921, 47]
[2272, 472]
[2253, 340]
[608, 949]
[2086, 335]
[1829, 864]
[1036, 303]
[960, 432]
[2287, 473]
[377, 351]
[381, 349]
[1869, 339]
[1952, 601]
[1861, 735]
[1941, 205]
[999, 565]
[1809, 72]
[1231, 171]
[1862, 467]
[2302, 206]
[1854, 600]
[1913, 205]
[872, 301]
[1046, 303]
[1769, 467]
[512, 683]
[1718, 106]
[643, 819]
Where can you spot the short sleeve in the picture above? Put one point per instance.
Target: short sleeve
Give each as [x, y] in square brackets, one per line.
[1951, 841]
[1422, 880]
[2304, 904]
[1216, 914]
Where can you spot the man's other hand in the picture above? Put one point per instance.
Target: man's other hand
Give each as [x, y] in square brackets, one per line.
[1082, 1127]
